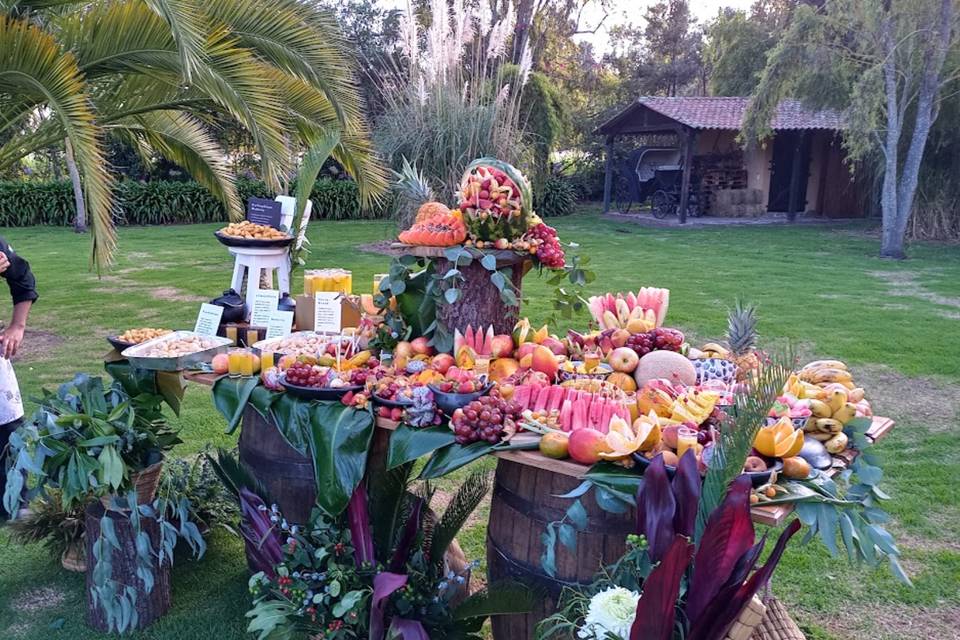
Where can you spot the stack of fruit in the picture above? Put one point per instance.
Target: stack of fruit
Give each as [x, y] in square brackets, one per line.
[488, 419]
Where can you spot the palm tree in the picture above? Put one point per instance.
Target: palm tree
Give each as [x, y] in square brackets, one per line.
[161, 73]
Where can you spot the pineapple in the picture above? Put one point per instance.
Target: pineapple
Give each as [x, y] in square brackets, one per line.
[742, 338]
[415, 189]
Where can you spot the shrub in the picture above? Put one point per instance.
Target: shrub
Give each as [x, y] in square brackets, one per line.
[558, 197]
[164, 202]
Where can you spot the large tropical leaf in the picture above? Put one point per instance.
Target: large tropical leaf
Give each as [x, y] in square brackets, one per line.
[656, 507]
[38, 72]
[186, 20]
[339, 440]
[500, 598]
[656, 609]
[464, 502]
[407, 444]
[310, 167]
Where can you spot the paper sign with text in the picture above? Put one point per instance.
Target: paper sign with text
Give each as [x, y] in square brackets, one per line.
[326, 311]
[279, 324]
[208, 320]
[264, 304]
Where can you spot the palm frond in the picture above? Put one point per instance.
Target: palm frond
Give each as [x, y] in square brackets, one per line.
[33, 67]
[387, 492]
[310, 167]
[188, 25]
[752, 405]
[183, 140]
[499, 598]
[464, 502]
[235, 476]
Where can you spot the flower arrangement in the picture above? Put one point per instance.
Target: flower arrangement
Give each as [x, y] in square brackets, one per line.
[379, 570]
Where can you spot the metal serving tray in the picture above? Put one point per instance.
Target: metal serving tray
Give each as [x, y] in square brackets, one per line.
[133, 354]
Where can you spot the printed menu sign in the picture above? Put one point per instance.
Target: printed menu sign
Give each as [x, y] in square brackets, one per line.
[264, 211]
[327, 308]
[208, 320]
[279, 324]
[264, 304]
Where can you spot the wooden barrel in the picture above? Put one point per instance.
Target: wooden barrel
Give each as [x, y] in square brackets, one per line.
[285, 473]
[523, 503]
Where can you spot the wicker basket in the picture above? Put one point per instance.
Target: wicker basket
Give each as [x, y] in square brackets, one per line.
[749, 619]
[74, 558]
[777, 624]
[145, 483]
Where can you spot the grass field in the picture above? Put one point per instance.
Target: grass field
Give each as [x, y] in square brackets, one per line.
[896, 323]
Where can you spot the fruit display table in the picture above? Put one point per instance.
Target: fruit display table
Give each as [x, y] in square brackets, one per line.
[480, 303]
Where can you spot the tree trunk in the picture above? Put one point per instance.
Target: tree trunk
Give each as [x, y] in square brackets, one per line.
[149, 606]
[80, 222]
[480, 305]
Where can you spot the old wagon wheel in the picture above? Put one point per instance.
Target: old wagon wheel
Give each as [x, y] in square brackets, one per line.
[662, 204]
[623, 197]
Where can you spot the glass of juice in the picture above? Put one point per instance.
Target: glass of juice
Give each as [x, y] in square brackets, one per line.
[246, 364]
[266, 360]
[591, 360]
[230, 331]
[253, 336]
[234, 356]
[686, 439]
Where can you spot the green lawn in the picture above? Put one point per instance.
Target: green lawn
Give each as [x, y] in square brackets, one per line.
[822, 288]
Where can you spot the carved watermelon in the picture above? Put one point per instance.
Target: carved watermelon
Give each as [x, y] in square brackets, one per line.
[495, 199]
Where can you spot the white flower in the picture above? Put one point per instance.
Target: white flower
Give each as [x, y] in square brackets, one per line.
[611, 611]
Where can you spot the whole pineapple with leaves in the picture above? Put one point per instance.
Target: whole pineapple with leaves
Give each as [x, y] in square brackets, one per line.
[417, 194]
[742, 338]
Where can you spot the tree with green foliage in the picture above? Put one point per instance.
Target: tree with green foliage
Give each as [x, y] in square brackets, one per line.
[881, 61]
[735, 53]
[159, 73]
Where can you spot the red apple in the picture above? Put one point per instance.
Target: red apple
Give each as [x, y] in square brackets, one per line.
[421, 346]
[403, 350]
[501, 346]
[442, 362]
[623, 359]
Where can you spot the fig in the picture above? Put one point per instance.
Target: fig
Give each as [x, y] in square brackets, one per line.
[754, 464]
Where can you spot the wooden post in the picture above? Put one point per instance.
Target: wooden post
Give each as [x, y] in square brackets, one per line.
[608, 174]
[689, 138]
[150, 606]
[795, 178]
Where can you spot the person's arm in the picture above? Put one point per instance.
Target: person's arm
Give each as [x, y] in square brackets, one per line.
[23, 290]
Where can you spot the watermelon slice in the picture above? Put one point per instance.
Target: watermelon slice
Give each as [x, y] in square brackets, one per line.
[580, 419]
[605, 415]
[566, 415]
[543, 397]
[555, 401]
[521, 395]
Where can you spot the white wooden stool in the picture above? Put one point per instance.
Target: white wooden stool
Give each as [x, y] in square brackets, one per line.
[254, 261]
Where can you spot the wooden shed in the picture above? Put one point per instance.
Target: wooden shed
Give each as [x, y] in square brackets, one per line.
[800, 169]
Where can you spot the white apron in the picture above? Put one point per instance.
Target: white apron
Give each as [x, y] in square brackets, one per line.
[11, 404]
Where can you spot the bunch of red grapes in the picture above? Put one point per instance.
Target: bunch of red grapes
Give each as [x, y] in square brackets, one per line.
[358, 377]
[302, 374]
[549, 252]
[483, 419]
[661, 338]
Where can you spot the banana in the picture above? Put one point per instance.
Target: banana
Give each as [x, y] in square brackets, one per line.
[810, 426]
[855, 395]
[836, 400]
[820, 409]
[829, 425]
[610, 320]
[848, 384]
[837, 443]
[326, 361]
[820, 364]
[359, 359]
[822, 437]
[811, 391]
[829, 375]
[846, 413]
[718, 349]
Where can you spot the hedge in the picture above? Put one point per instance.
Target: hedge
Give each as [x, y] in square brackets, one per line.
[162, 202]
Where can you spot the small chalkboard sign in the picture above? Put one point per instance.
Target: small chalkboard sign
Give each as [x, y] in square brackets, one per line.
[264, 211]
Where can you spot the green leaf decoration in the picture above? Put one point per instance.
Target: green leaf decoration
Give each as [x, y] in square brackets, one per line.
[408, 444]
[452, 457]
[548, 559]
[577, 515]
[339, 441]
[464, 502]
[622, 482]
[499, 598]
[567, 536]
[230, 397]
[489, 262]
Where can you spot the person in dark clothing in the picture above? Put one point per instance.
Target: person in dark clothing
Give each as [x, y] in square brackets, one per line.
[23, 291]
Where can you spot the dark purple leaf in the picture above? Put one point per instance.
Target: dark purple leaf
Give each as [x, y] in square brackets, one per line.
[259, 535]
[686, 490]
[359, 519]
[384, 584]
[402, 553]
[657, 606]
[727, 536]
[655, 509]
[409, 629]
[718, 619]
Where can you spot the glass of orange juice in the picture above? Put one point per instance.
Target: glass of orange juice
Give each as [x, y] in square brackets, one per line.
[591, 360]
[266, 359]
[246, 364]
[231, 333]
[234, 357]
[686, 439]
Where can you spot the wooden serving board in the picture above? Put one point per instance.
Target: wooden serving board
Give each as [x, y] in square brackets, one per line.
[503, 256]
